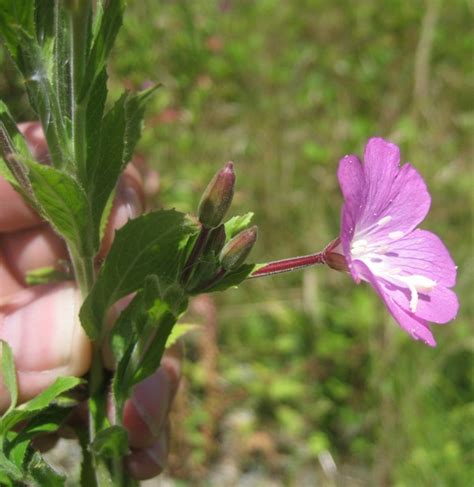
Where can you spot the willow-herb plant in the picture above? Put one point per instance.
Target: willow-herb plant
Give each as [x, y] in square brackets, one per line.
[61, 48]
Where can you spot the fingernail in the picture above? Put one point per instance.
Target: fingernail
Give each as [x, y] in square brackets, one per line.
[159, 451]
[146, 463]
[152, 400]
[129, 205]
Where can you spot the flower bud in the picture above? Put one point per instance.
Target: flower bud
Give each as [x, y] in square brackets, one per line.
[216, 240]
[236, 250]
[217, 197]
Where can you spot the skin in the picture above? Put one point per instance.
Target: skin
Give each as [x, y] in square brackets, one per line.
[41, 323]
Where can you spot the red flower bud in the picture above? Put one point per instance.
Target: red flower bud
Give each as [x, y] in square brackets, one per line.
[217, 197]
[236, 250]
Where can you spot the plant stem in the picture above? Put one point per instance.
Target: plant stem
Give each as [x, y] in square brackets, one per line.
[288, 265]
[79, 24]
[84, 272]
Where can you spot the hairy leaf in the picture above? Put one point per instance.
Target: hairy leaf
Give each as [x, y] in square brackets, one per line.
[118, 136]
[18, 33]
[42, 401]
[150, 244]
[63, 202]
[107, 24]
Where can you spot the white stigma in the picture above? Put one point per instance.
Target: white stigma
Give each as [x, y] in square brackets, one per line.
[359, 247]
[416, 284]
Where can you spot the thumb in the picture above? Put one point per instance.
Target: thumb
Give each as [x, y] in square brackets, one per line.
[41, 326]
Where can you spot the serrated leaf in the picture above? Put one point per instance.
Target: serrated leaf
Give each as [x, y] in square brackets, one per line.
[9, 373]
[18, 33]
[150, 244]
[42, 401]
[105, 29]
[111, 442]
[237, 223]
[118, 136]
[63, 202]
[178, 331]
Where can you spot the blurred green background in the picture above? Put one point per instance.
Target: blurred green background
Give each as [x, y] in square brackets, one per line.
[304, 379]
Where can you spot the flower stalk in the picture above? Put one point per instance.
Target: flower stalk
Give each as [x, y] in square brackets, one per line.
[288, 265]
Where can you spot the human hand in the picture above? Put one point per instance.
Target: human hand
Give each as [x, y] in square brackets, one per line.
[41, 323]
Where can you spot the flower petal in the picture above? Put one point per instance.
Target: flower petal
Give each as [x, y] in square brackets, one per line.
[396, 199]
[422, 253]
[351, 181]
[416, 327]
[440, 305]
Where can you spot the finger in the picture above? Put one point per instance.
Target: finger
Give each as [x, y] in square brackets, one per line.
[147, 410]
[42, 327]
[15, 214]
[128, 204]
[8, 283]
[31, 249]
[147, 463]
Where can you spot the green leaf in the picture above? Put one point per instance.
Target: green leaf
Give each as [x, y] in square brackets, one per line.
[9, 373]
[42, 401]
[45, 275]
[64, 204]
[105, 29]
[237, 223]
[13, 149]
[42, 474]
[150, 244]
[9, 468]
[111, 442]
[61, 69]
[141, 333]
[47, 421]
[178, 331]
[18, 33]
[118, 136]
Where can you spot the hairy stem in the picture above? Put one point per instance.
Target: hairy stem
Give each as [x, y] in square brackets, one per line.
[288, 265]
[79, 14]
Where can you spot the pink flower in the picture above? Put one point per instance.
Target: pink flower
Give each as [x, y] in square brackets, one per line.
[410, 269]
